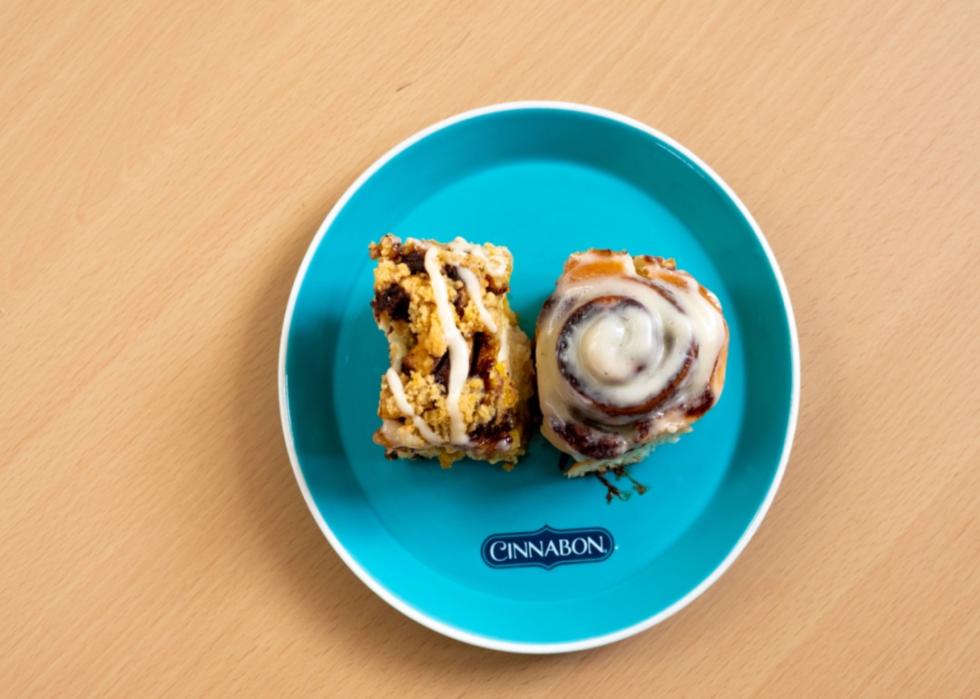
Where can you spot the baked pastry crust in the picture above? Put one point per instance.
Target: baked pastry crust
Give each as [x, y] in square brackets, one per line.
[461, 375]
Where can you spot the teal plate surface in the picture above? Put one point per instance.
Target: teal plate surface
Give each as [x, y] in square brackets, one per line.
[544, 179]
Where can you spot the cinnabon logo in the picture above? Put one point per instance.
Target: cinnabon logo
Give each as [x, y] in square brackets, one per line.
[547, 547]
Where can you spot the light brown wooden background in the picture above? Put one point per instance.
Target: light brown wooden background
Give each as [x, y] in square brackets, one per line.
[163, 166]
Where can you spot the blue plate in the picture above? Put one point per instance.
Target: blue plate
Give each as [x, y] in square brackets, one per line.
[545, 179]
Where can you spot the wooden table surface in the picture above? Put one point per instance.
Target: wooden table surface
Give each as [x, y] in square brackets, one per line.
[163, 167]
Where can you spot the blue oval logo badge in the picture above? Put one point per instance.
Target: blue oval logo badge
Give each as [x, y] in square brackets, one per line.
[547, 547]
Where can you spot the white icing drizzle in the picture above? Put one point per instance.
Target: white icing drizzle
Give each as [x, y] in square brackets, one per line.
[496, 263]
[626, 352]
[459, 352]
[398, 392]
[503, 340]
[475, 292]
[397, 350]
[393, 432]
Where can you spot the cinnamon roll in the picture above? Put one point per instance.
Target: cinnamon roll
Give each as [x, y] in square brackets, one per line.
[630, 352]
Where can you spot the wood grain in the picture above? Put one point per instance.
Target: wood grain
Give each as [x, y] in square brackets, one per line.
[164, 166]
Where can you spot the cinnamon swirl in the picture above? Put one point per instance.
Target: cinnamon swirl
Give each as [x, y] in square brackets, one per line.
[630, 352]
